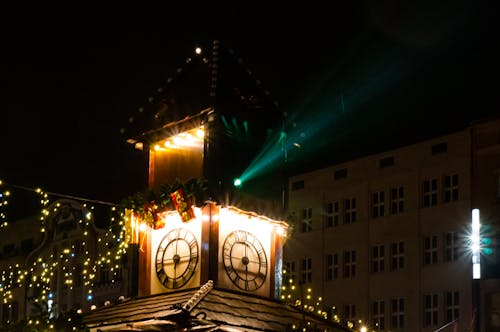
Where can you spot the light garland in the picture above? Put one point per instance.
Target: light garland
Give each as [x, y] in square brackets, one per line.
[3, 203]
[295, 295]
[39, 277]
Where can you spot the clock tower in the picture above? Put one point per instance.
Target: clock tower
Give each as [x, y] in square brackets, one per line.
[211, 121]
[234, 248]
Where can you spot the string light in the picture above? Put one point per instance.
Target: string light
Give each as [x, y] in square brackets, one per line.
[77, 266]
[293, 293]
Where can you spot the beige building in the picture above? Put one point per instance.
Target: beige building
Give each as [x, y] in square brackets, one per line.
[63, 263]
[385, 238]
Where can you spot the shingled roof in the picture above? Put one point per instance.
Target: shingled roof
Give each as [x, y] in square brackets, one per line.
[205, 309]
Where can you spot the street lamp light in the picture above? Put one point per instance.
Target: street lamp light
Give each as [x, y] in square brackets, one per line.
[476, 245]
[476, 268]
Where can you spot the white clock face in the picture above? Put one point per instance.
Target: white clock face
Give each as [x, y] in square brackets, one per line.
[245, 260]
[176, 258]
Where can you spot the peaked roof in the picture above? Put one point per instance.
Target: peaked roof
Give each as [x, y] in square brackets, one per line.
[214, 77]
[204, 309]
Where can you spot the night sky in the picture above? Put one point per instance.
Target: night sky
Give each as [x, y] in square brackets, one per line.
[381, 70]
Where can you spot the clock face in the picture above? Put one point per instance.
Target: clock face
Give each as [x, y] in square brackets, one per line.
[176, 258]
[244, 260]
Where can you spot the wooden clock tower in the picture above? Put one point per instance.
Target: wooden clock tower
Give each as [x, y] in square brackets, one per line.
[210, 122]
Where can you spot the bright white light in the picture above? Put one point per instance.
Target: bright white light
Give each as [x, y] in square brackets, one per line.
[178, 140]
[475, 217]
[476, 271]
[142, 227]
[475, 245]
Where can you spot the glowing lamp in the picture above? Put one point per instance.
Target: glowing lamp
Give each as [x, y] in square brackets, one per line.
[237, 182]
[475, 245]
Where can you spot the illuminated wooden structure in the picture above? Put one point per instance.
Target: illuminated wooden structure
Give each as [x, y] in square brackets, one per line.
[210, 120]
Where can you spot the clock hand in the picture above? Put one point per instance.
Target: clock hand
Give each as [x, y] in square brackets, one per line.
[246, 276]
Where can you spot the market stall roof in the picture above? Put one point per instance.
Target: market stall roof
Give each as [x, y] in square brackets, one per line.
[205, 309]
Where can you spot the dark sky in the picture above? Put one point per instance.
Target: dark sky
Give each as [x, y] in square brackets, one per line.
[70, 78]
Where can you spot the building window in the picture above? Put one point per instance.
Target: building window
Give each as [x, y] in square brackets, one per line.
[378, 258]
[378, 202]
[79, 247]
[332, 214]
[430, 250]
[78, 275]
[397, 255]
[398, 313]
[450, 188]
[117, 274]
[307, 220]
[378, 315]
[386, 162]
[297, 185]
[306, 269]
[397, 200]
[332, 266]
[439, 148]
[349, 210]
[430, 310]
[451, 306]
[430, 189]
[10, 312]
[450, 246]
[289, 271]
[350, 311]
[105, 277]
[349, 263]
[340, 174]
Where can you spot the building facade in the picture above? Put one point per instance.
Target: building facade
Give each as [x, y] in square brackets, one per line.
[385, 238]
[58, 261]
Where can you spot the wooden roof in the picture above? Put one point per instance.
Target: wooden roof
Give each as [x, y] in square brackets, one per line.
[205, 309]
[215, 79]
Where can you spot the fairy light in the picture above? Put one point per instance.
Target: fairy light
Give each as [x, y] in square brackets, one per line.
[3, 203]
[39, 277]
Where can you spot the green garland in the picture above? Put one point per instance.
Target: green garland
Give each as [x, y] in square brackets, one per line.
[146, 204]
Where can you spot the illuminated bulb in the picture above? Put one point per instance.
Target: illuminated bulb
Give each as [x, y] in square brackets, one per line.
[280, 230]
[157, 147]
[197, 50]
[178, 140]
[200, 133]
